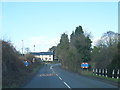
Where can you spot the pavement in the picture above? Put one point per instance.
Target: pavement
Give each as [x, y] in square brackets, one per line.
[52, 76]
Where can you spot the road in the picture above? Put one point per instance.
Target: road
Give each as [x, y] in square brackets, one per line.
[52, 76]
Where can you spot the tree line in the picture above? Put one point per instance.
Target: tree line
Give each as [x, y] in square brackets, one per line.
[71, 52]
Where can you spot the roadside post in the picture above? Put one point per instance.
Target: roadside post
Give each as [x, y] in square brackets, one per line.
[113, 73]
[103, 72]
[96, 71]
[118, 74]
[99, 72]
[106, 72]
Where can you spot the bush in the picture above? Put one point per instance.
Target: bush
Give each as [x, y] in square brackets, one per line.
[14, 71]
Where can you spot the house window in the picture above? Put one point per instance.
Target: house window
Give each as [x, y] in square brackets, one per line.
[49, 58]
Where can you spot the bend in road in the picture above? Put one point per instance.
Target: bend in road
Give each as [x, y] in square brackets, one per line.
[52, 76]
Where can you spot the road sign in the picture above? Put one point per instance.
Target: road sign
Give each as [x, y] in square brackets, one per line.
[26, 63]
[84, 65]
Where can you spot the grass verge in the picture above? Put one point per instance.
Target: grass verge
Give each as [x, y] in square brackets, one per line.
[90, 74]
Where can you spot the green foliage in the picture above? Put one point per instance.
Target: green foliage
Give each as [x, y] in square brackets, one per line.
[81, 43]
[74, 52]
[52, 49]
[78, 49]
[63, 50]
[115, 63]
[104, 52]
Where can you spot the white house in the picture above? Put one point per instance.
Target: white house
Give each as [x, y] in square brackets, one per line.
[44, 56]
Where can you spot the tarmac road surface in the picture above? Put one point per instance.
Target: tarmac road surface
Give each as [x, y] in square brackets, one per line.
[52, 76]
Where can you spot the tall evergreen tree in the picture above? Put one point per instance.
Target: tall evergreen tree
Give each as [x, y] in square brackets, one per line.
[76, 51]
[81, 43]
[63, 49]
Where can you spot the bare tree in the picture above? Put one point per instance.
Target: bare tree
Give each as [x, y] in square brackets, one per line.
[27, 50]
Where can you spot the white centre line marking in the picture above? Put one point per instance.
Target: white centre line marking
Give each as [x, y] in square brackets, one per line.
[60, 78]
[56, 74]
[67, 85]
[50, 67]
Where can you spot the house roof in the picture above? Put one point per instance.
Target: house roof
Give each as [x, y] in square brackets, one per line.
[41, 53]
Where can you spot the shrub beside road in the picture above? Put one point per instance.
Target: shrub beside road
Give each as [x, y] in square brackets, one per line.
[14, 72]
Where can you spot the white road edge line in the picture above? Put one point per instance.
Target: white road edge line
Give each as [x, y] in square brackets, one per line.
[67, 85]
[60, 78]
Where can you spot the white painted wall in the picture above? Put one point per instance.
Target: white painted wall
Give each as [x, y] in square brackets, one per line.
[45, 57]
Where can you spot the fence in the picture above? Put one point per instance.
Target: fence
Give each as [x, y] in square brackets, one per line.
[107, 73]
